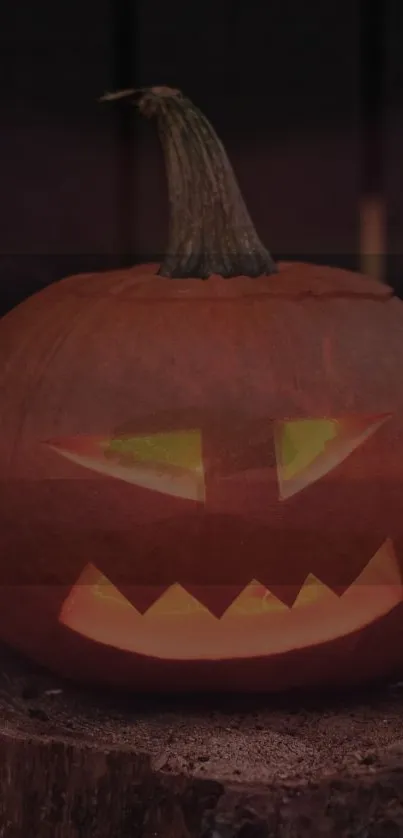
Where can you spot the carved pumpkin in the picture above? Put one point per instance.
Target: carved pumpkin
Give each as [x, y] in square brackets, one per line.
[201, 462]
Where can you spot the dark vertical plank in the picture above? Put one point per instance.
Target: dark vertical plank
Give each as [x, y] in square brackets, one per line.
[373, 245]
[393, 142]
[124, 41]
[58, 146]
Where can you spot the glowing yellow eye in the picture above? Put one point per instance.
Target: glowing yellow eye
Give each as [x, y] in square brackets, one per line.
[307, 449]
[302, 442]
[178, 449]
[170, 463]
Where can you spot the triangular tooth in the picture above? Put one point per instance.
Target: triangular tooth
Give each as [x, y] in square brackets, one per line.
[286, 594]
[142, 597]
[382, 569]
[216, 598]
[176, 600]
[136, 597]
[255, 599]
[92, 581]
[335, 576]
[314, 591]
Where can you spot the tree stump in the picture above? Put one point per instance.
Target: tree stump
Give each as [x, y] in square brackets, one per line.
[76, 763]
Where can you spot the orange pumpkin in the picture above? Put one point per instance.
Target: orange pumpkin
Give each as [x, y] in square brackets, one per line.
[201, 462]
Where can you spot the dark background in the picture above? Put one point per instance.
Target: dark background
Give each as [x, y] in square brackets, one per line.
[307, 97]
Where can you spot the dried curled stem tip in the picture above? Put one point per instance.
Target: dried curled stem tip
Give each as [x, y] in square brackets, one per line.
[211, 231]
[141, 93]
[146, 99]
[118, 94]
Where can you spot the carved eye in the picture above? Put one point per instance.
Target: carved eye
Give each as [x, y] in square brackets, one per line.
[171, 462]
[307, 449]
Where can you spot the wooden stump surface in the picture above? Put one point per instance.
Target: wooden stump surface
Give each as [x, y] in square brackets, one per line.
[82, 764]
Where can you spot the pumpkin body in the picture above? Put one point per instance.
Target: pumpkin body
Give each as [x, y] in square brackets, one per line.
[201, 481]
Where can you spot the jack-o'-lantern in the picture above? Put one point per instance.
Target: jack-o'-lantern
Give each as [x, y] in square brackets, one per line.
[201, 463]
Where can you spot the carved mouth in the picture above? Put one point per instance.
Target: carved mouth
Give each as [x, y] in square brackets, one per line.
[179, 627]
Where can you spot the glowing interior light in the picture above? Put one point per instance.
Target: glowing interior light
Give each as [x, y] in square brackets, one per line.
[175, 601]
[255, 599]
[178, 627]
[170, 463]
[308, 449]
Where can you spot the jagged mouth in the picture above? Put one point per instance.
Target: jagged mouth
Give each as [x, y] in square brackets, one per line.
[179, 627]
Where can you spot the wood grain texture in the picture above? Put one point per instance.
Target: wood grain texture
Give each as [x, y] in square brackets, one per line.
[75, 763]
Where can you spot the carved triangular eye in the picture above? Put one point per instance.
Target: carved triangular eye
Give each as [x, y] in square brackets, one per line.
[307, 449]
[170, 463]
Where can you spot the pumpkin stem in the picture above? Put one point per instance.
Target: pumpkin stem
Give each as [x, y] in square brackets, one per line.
[211, 231]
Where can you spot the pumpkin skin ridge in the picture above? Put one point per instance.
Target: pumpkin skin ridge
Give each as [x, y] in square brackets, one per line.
[305, 281]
